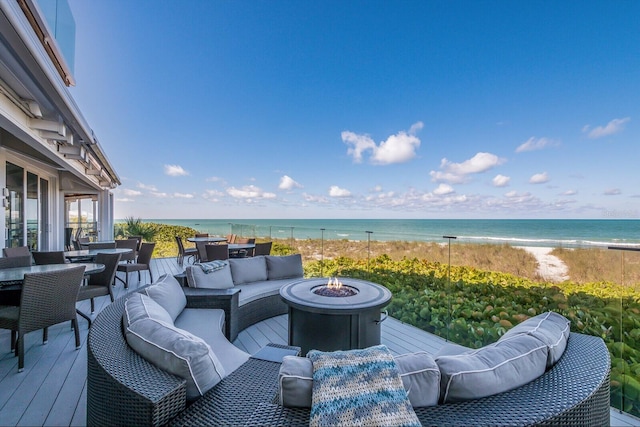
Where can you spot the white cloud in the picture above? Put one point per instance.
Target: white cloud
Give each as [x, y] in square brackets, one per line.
[612, 192]
[147, 187]
[501, 180]
[457, 173]
[131, 193]
[249, 192]
[288, 183]
[314, 199]
[335, 191]
[570, 193]
[377, 189]
[212, 195]
[533, 144]
[125, 200]
[159, 195]
[398, 148]
[175, 170]
[539, 178]
[214, 179]
[183, 195]
[614, 126]
[443, 189]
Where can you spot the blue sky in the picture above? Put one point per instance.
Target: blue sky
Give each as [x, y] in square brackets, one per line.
[364, 109]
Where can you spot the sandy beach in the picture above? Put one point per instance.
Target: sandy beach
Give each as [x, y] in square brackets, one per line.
[550, 267]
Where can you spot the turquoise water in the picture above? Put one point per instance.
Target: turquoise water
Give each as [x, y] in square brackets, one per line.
[517, 232]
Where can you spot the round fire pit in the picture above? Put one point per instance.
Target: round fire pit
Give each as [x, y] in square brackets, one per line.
[329, 318]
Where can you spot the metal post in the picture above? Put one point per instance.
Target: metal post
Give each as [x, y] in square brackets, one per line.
[368, 248]
[321, 251]
[449, 282]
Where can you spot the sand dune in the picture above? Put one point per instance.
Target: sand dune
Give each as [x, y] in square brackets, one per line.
[550, 267]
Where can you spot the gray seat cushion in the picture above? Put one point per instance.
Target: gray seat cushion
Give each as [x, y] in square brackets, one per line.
[208, 324]
[492, 369]
[254, 291]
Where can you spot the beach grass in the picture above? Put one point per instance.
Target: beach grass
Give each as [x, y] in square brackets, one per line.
[597, 265]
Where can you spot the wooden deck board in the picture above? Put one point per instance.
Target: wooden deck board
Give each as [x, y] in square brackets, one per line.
[52, 388]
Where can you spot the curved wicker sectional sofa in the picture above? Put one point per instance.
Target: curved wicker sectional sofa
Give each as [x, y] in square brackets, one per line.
[125, 389]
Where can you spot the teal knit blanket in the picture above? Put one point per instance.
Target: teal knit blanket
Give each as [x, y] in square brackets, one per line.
[358, 388]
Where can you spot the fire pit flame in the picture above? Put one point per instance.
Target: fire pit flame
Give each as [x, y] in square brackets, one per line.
[335, 288]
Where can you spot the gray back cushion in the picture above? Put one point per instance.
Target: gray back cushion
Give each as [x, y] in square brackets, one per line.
[251, 269]
[551, 328]
[492, 369]
[284, 267]
[419, 373]
[140, 306]
[167, 292]
[218, 279]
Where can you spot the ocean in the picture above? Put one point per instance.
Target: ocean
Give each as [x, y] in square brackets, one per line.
[569, 233]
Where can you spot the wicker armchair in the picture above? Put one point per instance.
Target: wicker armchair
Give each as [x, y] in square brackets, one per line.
[142, 263]
[46, 300]
[99, 283]
[51, 257]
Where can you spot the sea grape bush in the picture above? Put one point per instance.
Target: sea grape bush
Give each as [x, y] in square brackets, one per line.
[474, 308]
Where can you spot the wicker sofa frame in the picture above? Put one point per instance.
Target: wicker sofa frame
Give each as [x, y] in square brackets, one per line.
[125, 389]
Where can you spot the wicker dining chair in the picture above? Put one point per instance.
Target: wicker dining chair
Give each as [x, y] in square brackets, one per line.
[185, 252]
[100, 284]
[46, 300]
[16, 251]
[16, 261]
[202, 251]
[103, 245]
[48, 257]
[262, 248]
[130, 243]
[143, 262]
[215, 252]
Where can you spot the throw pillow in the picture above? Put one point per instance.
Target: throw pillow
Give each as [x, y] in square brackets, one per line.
[246, 270]
[178, 352]
[551, 328]
[167, 292]
[492, 369]
[139, 306]
[218, 279]
[284, 267]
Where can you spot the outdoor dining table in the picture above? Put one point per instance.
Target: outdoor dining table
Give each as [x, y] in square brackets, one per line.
[90, 254]
[13, 277]
[209, 239]
[235, 249]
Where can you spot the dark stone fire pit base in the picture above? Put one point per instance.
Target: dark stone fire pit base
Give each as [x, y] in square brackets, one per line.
[334, 323]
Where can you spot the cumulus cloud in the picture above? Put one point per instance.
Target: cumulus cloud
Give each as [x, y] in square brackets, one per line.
[501, 180]
[159, 195]
[183, 195]
[533, 144]
[175, 170]
[147, 187]
[314, 199]
[457, 173]
[614, 126]
[569, 193]
[612, 192]
[287, 183]
[125, 200]
[539, 178]
[443, 189]
[131, 193]
[249, 192]
[398, 148]
[335, 191]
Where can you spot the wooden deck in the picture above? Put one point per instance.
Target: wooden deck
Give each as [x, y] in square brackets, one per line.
[52, 388]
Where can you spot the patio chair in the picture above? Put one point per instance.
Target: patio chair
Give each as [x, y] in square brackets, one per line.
[215, 252]
[99, 283]
[128, 244]
[48, 257]
[16, 251]
[81, 241]
[16, 261]
[182, 252]
[143, 262]
[262, 248]
[202, 235]
[46, 300]
[231, 238]
[138, 239]
[202, 251]
[103, 245]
